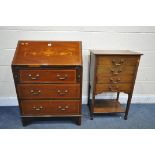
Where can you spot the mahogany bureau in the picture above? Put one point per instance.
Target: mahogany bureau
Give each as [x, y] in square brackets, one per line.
[48, 79]
[111, 71]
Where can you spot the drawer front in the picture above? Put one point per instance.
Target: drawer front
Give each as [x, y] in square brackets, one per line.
[117, 60]
[113, 71]
[50, 107]
[114, 79]
[44, 91]
[113, 87]
[55, 76]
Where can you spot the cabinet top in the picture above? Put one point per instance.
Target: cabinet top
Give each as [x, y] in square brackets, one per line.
[115, 52]
[48, 53]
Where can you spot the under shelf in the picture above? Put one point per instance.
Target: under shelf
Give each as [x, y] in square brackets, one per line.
[108, 106]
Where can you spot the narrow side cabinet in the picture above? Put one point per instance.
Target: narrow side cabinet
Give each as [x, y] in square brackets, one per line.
[48, 79]
[111, 71]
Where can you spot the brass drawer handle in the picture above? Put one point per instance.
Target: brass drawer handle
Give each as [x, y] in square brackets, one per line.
[35, 92]
[115, 80]
[33, 78]
[118, 63]
[116, 72]
[62, 78]
[113, 88]
[63, 109]
[37, 108]
[60, 92]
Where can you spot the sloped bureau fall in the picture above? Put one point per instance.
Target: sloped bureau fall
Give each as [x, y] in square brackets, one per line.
[48, 79]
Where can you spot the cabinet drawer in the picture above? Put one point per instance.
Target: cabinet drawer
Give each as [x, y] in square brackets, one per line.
[113, 87]
[43, 91]
[55, 76]
[117, 60]
[114, 79]
[50, 107]
[113, 71]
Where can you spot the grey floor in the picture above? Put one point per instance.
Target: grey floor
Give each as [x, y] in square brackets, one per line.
[141, 116]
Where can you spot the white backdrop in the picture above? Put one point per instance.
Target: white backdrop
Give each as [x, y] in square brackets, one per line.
[140, 39]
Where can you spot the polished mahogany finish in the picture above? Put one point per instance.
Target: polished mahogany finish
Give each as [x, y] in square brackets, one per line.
[46, 107]
[111, 71]
[49, 91]
[43, 53]
[46, 75]
[48, 79]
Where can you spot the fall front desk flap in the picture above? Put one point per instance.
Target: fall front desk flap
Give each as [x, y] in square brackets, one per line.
[48, 53]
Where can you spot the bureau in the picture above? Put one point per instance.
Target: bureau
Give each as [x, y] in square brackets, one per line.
[111, 72]
[48, 79]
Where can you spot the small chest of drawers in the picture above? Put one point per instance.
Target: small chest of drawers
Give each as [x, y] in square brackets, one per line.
[48, 79]
[111, 71]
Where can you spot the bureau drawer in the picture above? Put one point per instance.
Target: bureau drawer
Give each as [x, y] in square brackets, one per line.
[117, 60]
[114, 79]
[54, 76]
[44, 91]
[50, 107]
[113, 87]
[113, 71]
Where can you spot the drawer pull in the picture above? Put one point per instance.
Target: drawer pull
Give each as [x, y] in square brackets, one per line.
[116, 72]
[115, 80]
[62, 92]
[37, 108]
[63, 109]
[33, 78]
[113, 88]
[35, 92]
[118, 63]
[62, 78]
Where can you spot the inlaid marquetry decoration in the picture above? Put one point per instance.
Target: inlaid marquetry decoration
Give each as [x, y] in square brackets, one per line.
[48, 79]
[51, 51]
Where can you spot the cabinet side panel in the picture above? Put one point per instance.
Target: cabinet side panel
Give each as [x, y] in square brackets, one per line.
[92, 74]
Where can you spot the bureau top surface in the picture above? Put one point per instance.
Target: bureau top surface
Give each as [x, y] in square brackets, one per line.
[114, 52]
[48, 53]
